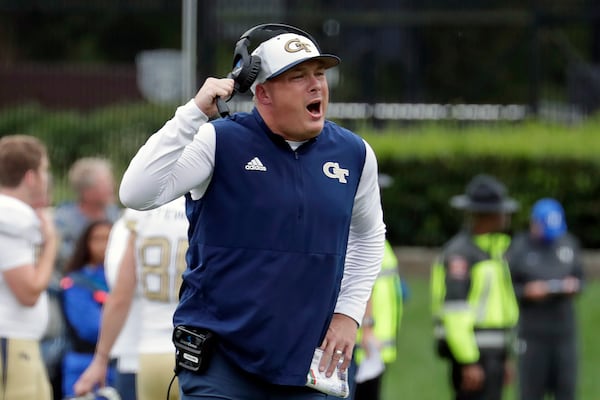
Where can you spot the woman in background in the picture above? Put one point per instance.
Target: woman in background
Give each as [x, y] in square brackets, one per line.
[84, 292]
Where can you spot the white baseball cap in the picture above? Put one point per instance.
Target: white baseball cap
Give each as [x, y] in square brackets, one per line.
[285, 51]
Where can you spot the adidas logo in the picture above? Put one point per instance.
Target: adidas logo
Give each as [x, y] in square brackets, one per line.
[255, 165]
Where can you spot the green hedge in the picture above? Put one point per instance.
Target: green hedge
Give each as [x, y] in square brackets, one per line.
[429, 162]
[417, 210]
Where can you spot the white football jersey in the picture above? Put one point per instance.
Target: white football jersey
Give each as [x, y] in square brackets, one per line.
[20, 239]
[125, 348]
[160, 249]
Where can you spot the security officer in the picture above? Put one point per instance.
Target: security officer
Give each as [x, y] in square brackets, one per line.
[377, 334]
[547, 272]
[473, 301]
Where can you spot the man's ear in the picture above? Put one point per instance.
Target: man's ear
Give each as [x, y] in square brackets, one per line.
[262, 95]
[30, 177]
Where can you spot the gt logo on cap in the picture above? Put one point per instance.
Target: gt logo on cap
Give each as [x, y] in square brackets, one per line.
[295, 45]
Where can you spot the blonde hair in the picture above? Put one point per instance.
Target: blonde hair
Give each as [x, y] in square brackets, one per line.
[84, 172]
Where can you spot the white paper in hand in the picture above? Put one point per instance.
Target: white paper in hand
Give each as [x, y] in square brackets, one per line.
[335, 385]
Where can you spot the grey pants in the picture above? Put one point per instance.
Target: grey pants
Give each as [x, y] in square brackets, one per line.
[548, 366]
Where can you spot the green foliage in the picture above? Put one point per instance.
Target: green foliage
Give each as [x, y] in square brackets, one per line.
[14, 119]
[417, 210]
[530, 139]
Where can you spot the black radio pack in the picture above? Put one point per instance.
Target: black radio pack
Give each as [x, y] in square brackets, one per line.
[194, 347]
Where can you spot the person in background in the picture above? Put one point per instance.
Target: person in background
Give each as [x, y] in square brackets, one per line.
[547, 273]
[28, 248]
[377, 336]
[473, 301]
[84, 292]
[286, 228]
[376, 343]
[154, 261]
[91, 179]
[125, 350]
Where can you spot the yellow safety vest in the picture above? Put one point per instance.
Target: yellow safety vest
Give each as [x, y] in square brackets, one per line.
[386, 301]
[485, 318]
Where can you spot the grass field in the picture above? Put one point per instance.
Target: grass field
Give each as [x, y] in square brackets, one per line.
[419, 375]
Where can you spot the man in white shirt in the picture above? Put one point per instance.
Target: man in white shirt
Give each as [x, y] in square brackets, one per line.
[28, 248]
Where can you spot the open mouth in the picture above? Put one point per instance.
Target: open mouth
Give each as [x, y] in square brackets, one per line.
[314, 108]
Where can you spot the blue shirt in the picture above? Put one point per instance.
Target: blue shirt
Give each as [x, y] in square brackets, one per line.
[83, 310]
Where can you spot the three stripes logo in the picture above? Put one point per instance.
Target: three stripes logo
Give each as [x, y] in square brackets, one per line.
[255, 165]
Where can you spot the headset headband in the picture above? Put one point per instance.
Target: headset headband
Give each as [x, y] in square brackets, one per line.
[271, 30]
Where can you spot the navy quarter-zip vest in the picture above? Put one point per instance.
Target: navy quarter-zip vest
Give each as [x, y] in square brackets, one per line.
[267, 244]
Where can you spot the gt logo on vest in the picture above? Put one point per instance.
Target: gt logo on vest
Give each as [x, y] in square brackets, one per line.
[332, 170]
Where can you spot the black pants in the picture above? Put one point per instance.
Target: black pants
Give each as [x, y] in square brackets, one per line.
[548, 366]
[492, 362]
[368, 390]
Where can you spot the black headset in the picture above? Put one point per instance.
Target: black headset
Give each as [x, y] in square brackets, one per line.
[246, 67]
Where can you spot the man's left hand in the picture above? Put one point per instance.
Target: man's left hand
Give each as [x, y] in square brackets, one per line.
[338, 344]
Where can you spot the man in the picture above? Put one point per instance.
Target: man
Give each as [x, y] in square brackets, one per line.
[154, 260]
[376, 347]
[473, 301]
[91, 179]
[28, 247]
[376, 339]
[547, 273]
[286, 227]
[125, 349]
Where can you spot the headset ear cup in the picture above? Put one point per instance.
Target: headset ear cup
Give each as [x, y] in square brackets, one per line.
[248, 75]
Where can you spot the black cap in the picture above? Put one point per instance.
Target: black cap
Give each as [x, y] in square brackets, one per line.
[485, 194]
